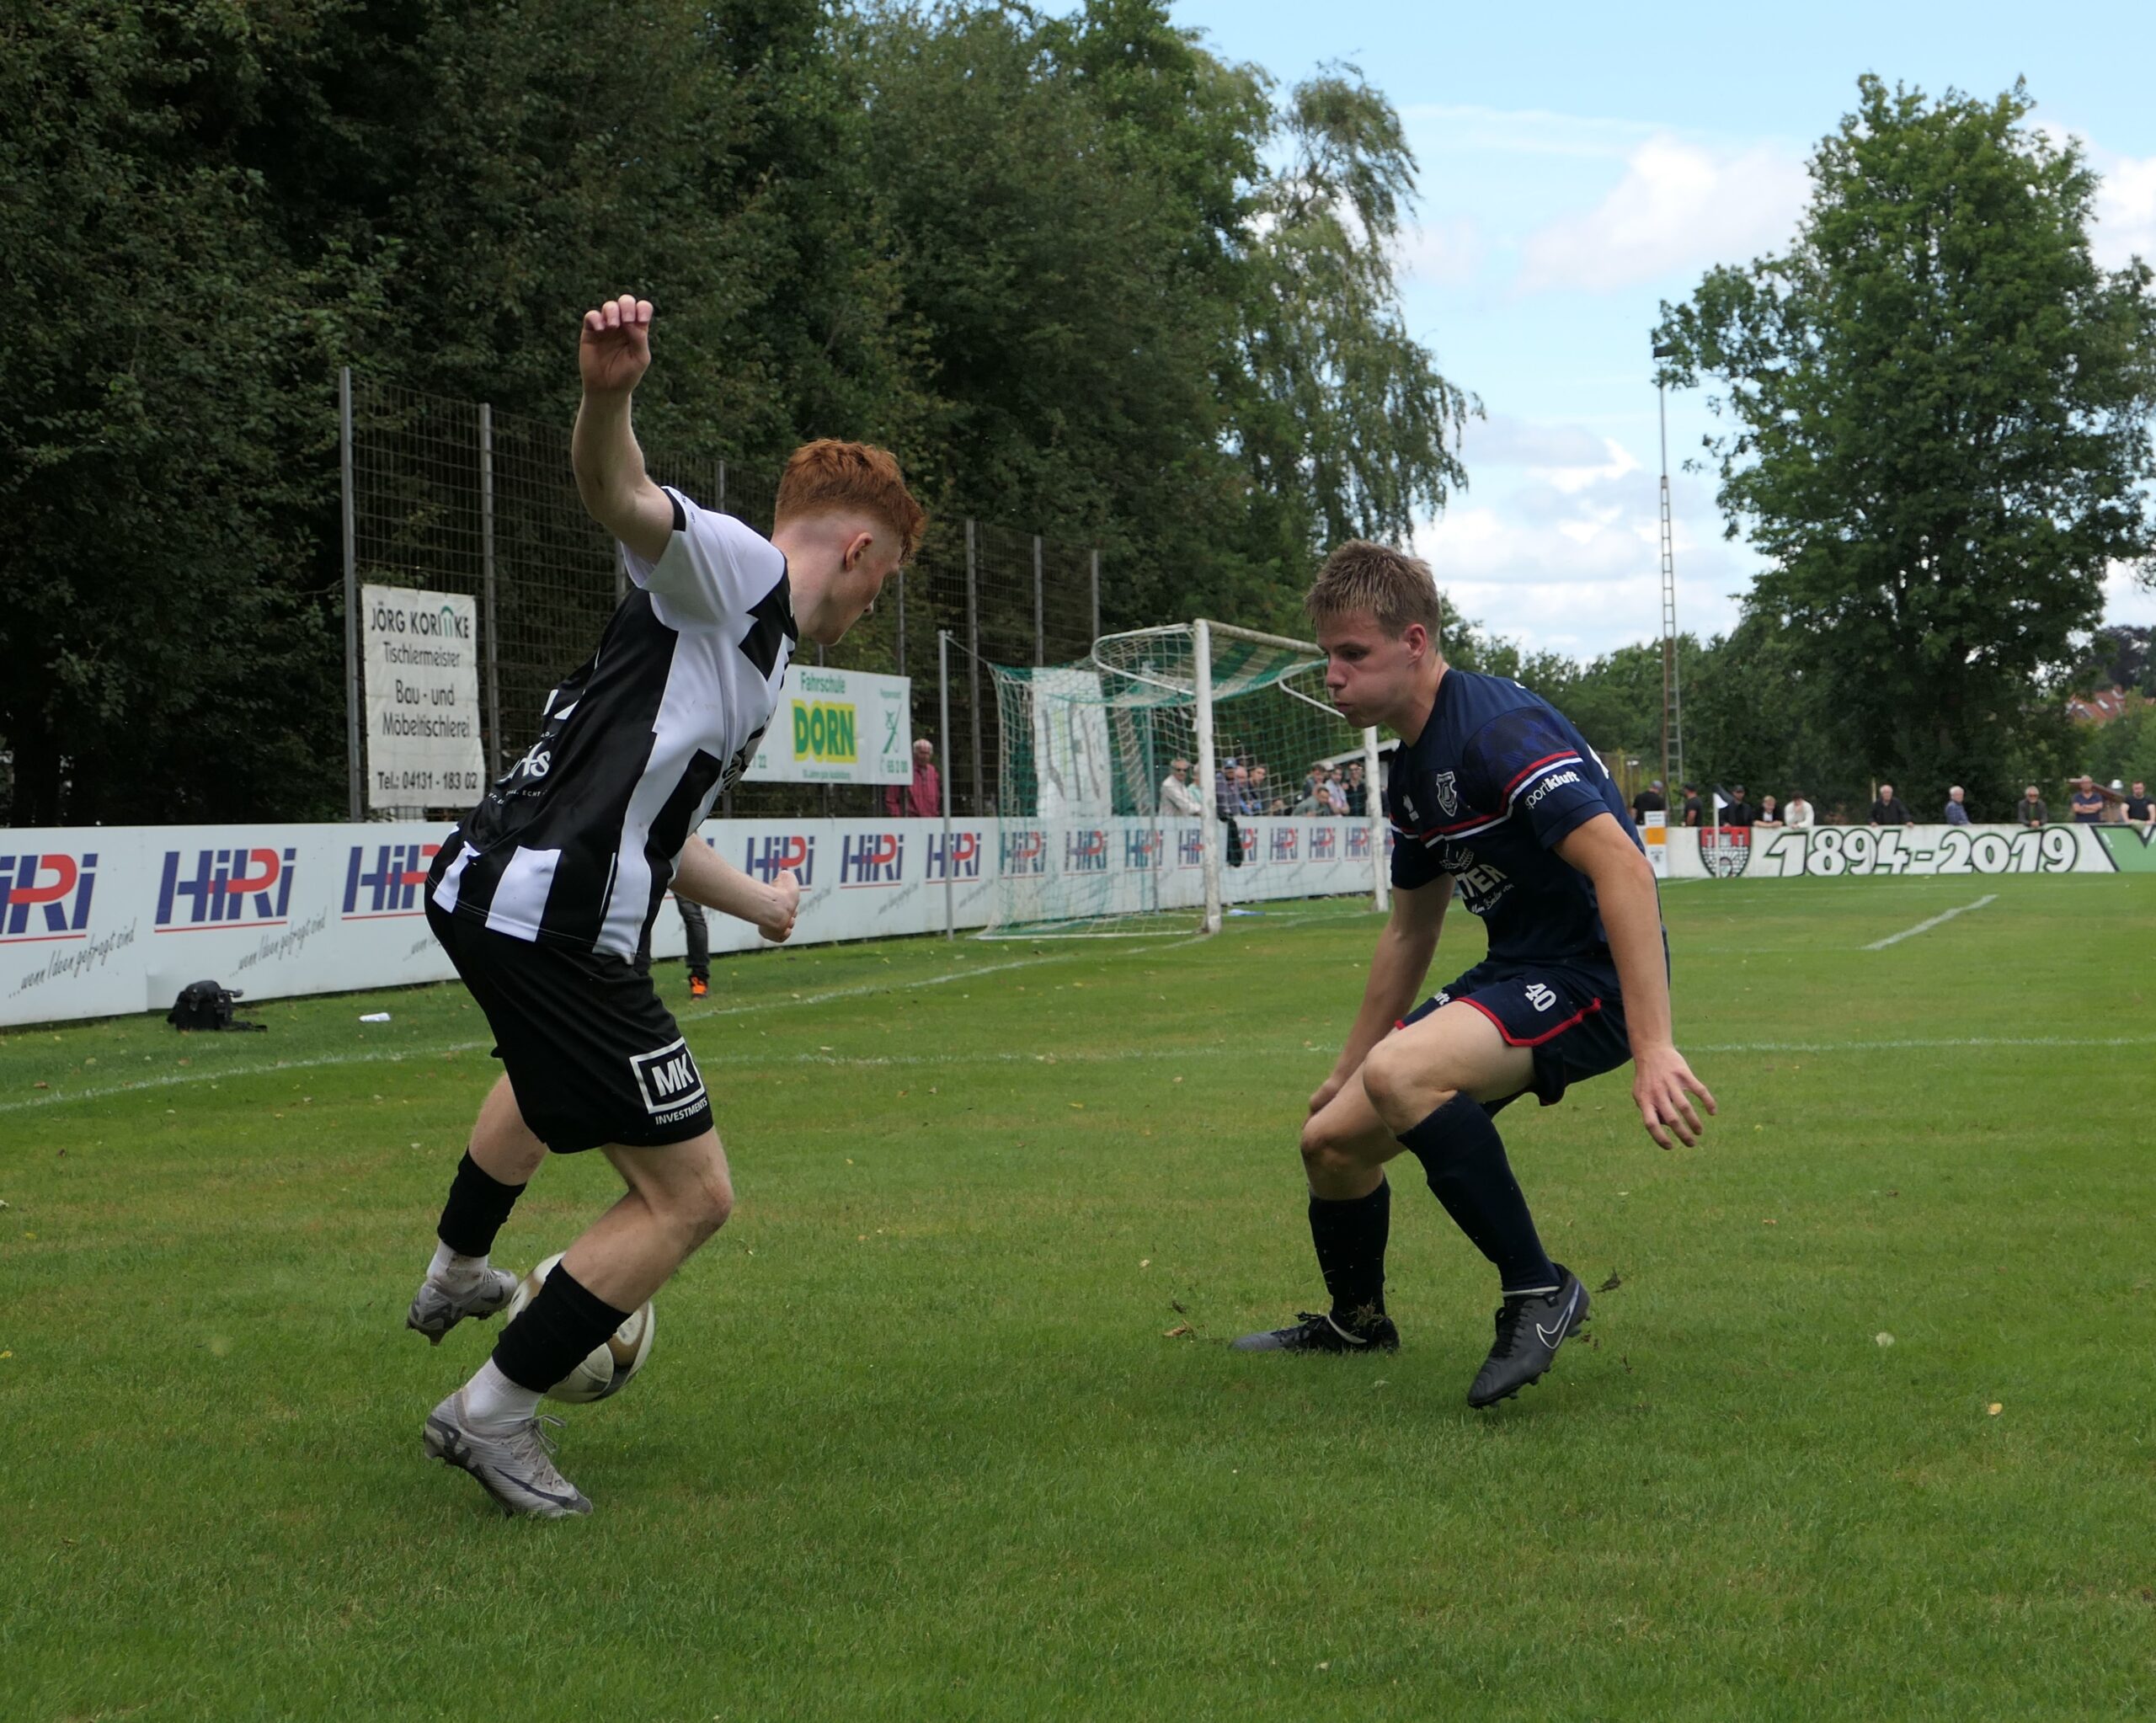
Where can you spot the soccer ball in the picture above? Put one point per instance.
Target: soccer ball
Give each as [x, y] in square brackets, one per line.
[607, 1367]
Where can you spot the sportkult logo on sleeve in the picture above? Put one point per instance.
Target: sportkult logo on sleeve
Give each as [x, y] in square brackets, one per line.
[671, 1086]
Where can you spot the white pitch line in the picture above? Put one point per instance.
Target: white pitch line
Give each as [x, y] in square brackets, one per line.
[393, 1055]
[1234, 1049]
[1880, 945]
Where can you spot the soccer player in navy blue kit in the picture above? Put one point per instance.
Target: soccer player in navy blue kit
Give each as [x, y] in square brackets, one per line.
[1494, 797]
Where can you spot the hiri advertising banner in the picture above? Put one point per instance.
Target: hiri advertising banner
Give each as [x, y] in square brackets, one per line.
[837, 727]
[114, 919]
[421, 650]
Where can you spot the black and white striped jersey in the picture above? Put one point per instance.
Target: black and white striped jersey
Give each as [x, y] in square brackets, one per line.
[577, 843]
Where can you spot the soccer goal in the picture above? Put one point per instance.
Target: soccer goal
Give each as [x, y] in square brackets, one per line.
[1172, 777]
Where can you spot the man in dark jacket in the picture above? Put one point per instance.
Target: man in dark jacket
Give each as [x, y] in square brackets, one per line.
[1739, 812]
[1887, 810]
[2030, 810]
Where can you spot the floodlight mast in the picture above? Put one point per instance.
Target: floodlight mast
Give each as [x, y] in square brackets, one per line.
[1672, 728]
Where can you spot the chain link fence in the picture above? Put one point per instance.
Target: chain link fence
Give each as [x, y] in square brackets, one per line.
[449, 496]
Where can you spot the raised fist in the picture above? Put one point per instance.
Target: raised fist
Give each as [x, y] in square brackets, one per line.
[614, 351]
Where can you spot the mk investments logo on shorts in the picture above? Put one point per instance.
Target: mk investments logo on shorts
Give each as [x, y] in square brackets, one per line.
[668, 1079]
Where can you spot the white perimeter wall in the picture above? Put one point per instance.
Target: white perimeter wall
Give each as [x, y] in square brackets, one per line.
[103, 922]
[116, 919]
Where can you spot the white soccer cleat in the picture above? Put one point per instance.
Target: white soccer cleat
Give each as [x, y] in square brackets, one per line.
[514, 1465]
[435, 1309]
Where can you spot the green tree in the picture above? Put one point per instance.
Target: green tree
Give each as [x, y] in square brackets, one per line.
[1939, 431]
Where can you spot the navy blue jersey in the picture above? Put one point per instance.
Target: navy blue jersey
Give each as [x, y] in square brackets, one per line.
[1496, 779]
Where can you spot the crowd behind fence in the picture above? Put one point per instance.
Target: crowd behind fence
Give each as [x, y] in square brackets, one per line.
[445, 495]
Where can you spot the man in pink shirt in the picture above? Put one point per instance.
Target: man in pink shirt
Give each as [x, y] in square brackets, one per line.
[923, 798]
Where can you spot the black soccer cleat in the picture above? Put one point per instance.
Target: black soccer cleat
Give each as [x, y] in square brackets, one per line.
[1530, 1328]
[1316, 1333]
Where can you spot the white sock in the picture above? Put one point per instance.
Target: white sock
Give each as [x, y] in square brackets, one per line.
[453, 1272]
[493, 1401]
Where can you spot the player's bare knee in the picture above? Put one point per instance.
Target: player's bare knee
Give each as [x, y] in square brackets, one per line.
[1325, 1153]
[1401, 1087]
[704, 1205]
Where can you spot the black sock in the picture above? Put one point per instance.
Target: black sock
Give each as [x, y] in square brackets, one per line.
[478, 1203]
[1464, 1158]
[1350, 1237]
[554, 1333]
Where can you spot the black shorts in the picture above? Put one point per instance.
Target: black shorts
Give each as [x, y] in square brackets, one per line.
[1569, 1015]
[591, 1054]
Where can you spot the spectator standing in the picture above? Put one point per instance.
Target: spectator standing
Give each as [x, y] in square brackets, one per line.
[1769, 813]
[922, 798]
[1241, 803]
[1260, 792]
[1649, 801]
[2087, 805]
[1739, 812]
[1179, 797]
[1797, 816]
[1957, 812]
[1692, 808]
[2138, 807]
[1335, 791]
[2030, 810]
[1886, 808]
[1359, 792]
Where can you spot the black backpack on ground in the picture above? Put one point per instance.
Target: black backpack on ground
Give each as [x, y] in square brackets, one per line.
[205, 1005]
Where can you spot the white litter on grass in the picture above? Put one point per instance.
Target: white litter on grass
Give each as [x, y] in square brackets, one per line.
[376, 1018]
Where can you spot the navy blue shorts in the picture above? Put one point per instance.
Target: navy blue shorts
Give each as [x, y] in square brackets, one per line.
[1568, 1013]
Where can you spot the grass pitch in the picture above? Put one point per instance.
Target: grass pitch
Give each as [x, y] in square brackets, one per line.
[944, 1424]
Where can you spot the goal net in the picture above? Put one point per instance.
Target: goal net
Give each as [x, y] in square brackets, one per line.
[1173, 777]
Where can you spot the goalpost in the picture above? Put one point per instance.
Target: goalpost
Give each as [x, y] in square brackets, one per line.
[1102, 838]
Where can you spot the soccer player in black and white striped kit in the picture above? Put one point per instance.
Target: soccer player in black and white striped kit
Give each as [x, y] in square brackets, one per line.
[544, 896]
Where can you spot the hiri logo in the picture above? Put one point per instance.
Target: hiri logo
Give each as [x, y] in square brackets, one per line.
[1286, 841]
[961, 860]
[392, 885]
[1142, 849]
[1190, 847]
[1025, 851]
[765, 857]
[237, 887]
[1358, 843]
[58, 885]
[1324, 845]
[872, 858]
[1085, 852]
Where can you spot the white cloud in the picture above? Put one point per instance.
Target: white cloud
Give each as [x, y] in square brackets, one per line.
[1576, 568]
[1446, 254]
[1503, 441]
[2126, 599]
[2125, 209]
[1679, 206]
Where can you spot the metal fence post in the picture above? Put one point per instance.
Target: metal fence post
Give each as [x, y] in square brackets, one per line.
[720, 504]
[943, 746]
[902, 638]
[487, 583]
[352, 700]
[1040, 624]
[972, 656]
[1095, 560]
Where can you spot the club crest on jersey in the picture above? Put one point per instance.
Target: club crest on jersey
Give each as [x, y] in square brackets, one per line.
[1448, 797]
[669, 1081]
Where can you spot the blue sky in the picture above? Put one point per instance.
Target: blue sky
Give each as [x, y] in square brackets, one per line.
[1582, 164]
